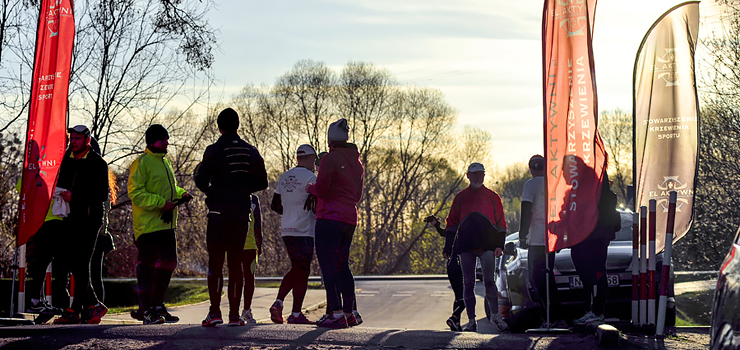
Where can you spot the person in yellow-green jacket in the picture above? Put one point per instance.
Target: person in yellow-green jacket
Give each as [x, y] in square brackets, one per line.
[154, 195]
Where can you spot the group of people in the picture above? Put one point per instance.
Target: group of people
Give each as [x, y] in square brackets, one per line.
[319, 211]
[476, 228]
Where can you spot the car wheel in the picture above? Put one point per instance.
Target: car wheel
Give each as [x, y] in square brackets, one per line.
[724, 339]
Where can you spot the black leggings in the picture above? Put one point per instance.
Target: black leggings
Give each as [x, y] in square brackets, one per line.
[333, 243]
[156, 261]
[225, 237]
[589, 259]
[43, 247]
[300, 251]
[455, 275]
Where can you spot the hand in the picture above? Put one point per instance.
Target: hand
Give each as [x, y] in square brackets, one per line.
[310, 203]
[168, 206]
[523, 244]
[67, 196]
[187, 197]
[432, 220]
[446, 256]
[498, 252]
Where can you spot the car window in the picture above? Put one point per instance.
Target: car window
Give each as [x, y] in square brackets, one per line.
[625, 234]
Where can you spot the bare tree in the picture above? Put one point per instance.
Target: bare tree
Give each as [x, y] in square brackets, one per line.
[615, 127]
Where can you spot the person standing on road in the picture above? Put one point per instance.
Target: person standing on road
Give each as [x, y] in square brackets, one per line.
[455, 275]
[84, 176]
[532, 234]
[252, 250]
[589, 256]
[338, 189]
[476, 228]
[298, 227]
[154, 194]
[230, 172]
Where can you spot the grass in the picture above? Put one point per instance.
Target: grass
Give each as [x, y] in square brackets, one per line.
[694, 309]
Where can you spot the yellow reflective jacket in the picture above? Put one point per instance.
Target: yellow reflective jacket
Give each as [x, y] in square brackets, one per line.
[151, 182]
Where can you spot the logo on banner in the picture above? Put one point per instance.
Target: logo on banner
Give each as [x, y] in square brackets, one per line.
[667, 68]
[52, 17]
[672, 183]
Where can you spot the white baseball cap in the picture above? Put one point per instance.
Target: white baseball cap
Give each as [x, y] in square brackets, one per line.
[476, 167]
[304, 150]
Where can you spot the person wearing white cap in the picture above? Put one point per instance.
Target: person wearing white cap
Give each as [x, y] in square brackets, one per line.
[297, 228]
[476, 228]
[338, 189]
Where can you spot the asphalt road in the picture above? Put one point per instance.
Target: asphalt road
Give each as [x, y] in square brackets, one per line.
[407, 314]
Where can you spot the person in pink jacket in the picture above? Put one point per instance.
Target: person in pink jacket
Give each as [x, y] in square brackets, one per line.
[338, 189]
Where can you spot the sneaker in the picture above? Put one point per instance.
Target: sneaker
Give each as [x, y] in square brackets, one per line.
[235, 321]
[323, 318]
[247, 317]
[589, 317]
[358, 317]
[331, 322]
[454, 324]
[300, 319]
[276, 312]
[499, 322]
[153, 315]
[472, 326]
[212, 320]
[95, 313]
[168, 317]
[43, 307]
[137, 315]
[69, 316]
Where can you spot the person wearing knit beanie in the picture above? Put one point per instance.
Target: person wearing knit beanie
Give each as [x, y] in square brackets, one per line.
[338, 130]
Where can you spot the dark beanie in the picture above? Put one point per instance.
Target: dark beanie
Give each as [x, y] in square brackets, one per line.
[154, 133]
[228, 120]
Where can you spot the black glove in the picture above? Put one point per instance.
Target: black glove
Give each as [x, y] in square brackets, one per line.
[310, 203]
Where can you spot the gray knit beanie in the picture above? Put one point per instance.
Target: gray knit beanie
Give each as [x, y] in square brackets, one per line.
[338, 130]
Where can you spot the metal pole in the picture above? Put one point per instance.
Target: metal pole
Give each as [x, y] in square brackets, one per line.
[651, 264]
[643, 265]
[665, 274]
[635, 268]
[12, 284]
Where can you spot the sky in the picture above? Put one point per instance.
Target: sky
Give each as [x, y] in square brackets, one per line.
[483, 55]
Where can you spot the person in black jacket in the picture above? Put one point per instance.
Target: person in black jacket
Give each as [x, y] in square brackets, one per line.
[230, 172]
[455, 276]
[84, 174]
[589, 256]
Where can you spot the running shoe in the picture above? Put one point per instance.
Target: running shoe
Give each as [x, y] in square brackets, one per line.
[352, 320]
[454, 324]
[69, 316]
[43, 306]
[137, 315]
[323, 318]
[332, 322]
[235, 321]
[300, 319]
[248, 318]
[168, 317]
[212, 320]
[358, 317]
[153, 315]
[499, 322]
[472, 326]
[276, 312]
[589, 317]
[95, 313]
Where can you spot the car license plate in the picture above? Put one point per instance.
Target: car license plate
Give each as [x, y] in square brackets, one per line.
[576, 283]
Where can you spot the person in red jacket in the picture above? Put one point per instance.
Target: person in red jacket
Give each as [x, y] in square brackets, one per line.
[338, 189]
[476, 228]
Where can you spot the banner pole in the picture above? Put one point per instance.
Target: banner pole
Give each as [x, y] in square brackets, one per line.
[635, 268]
[665, 274]
[47, 282]
[651, 263]
[643, 265]
[12, 285]
[22, 279]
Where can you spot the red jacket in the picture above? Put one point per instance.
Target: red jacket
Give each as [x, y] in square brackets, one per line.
[481, 200]
[338, 186]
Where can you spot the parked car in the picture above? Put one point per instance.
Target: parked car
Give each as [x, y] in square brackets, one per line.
[520, 305]
[726, 307]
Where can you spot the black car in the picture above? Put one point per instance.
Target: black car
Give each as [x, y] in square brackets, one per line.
[726, 308]
[520, 305]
